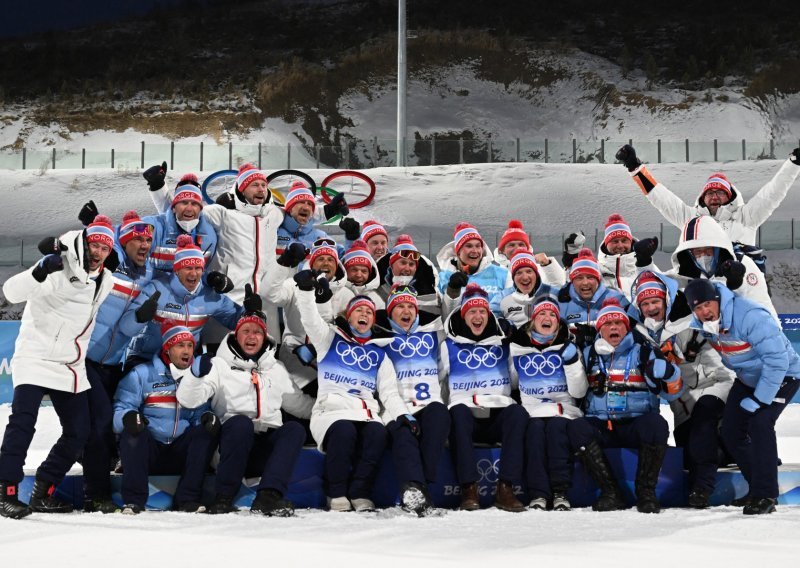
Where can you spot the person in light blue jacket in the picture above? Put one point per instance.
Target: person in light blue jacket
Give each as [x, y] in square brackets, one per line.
[157, 435]
[767, 369]
[626, 376]
[468, 260]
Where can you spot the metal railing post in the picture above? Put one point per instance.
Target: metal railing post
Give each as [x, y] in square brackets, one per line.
[772, 148]
[659, 150]
[546, 151]
[687, 149]
[112, 158]
[201, 156]
[289, 156]
[172, 155]
[460, 150]
[489, 151]
[316, 152]
[24, 157]
[433, 150]
[230, 155]
[83, 158]
[602, 150]
[574, 151]
[517, 150]
[259, 155]
[21, 252]
[143, 154]
[744, 150]
[54, 158]
[716, 158]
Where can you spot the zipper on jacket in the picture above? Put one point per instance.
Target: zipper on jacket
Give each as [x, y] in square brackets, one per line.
[177, 412]
[616, 274]
[258, 258]
[78, 358]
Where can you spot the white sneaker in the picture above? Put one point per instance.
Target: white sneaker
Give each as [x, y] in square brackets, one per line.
[339, 504]
[363, 505]
[538, 504]
[561, 503]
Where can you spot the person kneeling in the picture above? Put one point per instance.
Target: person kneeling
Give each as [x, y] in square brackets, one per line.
[247, 387]
[626, 376]
[158, 436]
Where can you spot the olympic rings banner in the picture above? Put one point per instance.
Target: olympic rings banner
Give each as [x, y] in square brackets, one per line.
[8, 336]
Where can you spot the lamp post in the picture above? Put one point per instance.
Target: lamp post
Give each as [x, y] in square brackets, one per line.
[401, 82]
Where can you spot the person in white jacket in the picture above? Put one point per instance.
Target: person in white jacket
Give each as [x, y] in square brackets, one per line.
[476, 379]
[705, 251]
[718, 198]
[362, 273]
[246, 221]
[63, 291]
[247, 388]
[547, 369]
[515, 240]
[354, 373]
[616, 256]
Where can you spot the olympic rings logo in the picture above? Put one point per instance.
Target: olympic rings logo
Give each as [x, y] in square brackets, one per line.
[408, 347]
[488, 470]
[539, 364]
[480, 357]
[356, 355]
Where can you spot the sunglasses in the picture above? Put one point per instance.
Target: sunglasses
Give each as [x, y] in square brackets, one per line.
[409, 254]
[404, 289]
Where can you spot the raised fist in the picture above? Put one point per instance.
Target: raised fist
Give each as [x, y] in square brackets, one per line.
[627, 155]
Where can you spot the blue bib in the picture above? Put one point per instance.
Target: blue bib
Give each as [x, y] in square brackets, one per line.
[541, 374]
[350, 367]
[478, 369]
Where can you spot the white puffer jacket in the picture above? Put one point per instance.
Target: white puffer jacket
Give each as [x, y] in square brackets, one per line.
[739, 220]
[233, 391]
[58, 320]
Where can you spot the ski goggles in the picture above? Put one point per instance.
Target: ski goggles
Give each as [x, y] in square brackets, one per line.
[404, 289]
[408, 254]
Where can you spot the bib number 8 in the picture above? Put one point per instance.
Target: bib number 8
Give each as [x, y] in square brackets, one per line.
[423, 392]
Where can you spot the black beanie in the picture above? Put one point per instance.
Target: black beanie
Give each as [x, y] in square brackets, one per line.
[700, 290]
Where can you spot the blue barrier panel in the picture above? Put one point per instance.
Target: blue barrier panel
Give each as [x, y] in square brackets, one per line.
[8, 336]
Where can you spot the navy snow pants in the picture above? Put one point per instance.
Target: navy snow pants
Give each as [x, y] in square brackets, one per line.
[353, 451]
[418, 459]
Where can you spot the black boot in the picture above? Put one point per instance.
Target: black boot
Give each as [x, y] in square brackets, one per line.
[414, 498]
[596, 463]
[101, 505]
[698, 498]
[651, 457]
[43, 501]
[270, 502]
[222, 505]
[10, 505]
[760, 506]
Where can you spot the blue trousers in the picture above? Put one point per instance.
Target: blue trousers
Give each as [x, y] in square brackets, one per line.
[353, 451]
[73, 413]
[102, 442]
[648, 428]
[547, 456]
[699, 437]
[418, 459]
[505, 425]
[751, 439]
[187, 456]
[270, 455]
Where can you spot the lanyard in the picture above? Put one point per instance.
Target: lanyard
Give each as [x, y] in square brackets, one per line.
[627, 365]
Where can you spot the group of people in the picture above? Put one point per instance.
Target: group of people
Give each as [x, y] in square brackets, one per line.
[234, 333]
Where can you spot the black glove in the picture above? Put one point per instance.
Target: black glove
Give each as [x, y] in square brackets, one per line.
[572, 246]
[409, 422]
[505, 326]
[598, 383]
[306, 280]
[336, 206]
[211, 423]
[644, 249]
[306, 353]
[227, 200]
[351, 228]
[134, 422]
[147, 310]
[155, 176]
[585, 334]
[219, 282]
[112, 261]
[794, 157]
[49, 264]
[457, 280]
[292, 255]
[322, 290]
[734, 272]
[627, 155]
[252, 302]
[204, 365]
[87, 213]
[51, 245]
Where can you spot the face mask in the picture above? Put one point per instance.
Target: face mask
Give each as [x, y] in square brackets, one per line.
[706, 263]
[652, 324]
[603, 347]
[711, 327]
[188, 226]
[402, 280]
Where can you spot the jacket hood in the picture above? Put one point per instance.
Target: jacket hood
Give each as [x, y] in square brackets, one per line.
[456, 329]
[75, 256]
[230, 352]
[521, 337]
[700, 232]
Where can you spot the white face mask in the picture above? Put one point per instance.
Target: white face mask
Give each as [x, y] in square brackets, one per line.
[402, 280]
[705, 262]
[603, 347]
[652, 324]
[188, 226]
[711, 327]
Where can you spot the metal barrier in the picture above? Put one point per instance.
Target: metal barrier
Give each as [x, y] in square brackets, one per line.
[371, 153]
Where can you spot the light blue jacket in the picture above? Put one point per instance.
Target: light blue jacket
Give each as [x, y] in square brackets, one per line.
[752, 345]
[166, 232]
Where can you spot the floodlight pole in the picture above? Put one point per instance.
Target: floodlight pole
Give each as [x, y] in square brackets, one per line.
[401, 82]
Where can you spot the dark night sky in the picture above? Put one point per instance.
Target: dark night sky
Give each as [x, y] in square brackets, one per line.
[23, 17]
